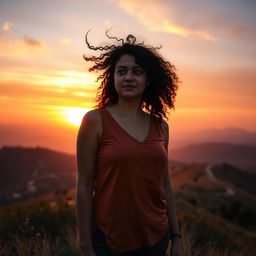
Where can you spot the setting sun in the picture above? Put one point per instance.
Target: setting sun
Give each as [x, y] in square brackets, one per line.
[74, 115]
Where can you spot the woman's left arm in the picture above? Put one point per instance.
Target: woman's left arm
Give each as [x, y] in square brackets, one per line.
[170, 200]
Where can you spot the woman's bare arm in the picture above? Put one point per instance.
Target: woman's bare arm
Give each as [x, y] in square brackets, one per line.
[169, 195]
[87, 141]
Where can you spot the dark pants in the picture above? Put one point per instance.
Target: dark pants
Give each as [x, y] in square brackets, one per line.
[101, 248]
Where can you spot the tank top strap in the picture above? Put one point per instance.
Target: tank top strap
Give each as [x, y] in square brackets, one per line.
[107, 122]
[157, 129]
[109, 128]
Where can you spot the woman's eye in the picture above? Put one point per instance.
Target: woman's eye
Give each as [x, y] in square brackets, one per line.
[121, 71]
[138, 71]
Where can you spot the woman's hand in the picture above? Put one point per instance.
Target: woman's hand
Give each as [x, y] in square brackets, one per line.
[176, 247]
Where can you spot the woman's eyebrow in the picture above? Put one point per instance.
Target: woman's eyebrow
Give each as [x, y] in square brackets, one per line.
[120, 66]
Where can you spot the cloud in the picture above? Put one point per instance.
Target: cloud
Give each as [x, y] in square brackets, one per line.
[22, 93]
[153, 14]
[207, 20]
[224, 19]
[21, 46]
[7, 26]
[32, 42]
[168, 27]
[61, 79]
[225, 25]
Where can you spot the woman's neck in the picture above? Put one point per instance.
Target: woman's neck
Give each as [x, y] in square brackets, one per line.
[128, 108]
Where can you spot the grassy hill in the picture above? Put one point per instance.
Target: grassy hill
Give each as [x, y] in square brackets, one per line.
[236, 177]
[216, 206]
[27, 172]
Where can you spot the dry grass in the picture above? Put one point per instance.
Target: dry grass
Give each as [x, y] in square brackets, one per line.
[44, 246]
[72, 240]
[189, 248]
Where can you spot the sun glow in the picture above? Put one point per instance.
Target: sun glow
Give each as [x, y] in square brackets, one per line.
[74, 115]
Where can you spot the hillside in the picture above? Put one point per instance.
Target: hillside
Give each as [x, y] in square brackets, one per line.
[236, 177]
[27, 172]
[217, 202]
[211, 188]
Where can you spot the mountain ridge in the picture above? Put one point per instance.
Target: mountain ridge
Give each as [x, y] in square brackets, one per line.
[242, 156]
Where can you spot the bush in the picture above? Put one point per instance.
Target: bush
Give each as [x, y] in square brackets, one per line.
[28, 219]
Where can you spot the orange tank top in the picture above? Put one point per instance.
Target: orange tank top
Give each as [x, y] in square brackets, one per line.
[129, 204]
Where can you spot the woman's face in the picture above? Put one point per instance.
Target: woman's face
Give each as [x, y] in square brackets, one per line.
[129, 78]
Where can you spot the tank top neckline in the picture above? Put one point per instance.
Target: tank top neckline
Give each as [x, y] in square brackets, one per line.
[124, 131]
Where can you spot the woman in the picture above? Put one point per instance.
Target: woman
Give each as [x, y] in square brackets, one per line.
[125, 202]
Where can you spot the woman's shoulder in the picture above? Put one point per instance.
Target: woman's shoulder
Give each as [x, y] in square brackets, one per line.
[92, 121]
[92, 115]
[91, 118]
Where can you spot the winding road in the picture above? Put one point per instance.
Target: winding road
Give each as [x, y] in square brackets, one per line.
[211, 177]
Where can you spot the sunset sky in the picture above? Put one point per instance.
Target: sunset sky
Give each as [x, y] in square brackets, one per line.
[45, 86]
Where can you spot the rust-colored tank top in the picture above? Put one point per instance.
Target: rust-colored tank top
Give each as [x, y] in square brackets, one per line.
[129, 204]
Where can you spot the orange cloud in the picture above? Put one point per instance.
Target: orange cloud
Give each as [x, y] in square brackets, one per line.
[168, 27]
[53, 79]
[225, 25]
[155, 18]
[21, 47]
[32, 42]
[7, 26]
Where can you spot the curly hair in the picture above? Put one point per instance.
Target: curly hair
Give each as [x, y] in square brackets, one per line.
[163, 81]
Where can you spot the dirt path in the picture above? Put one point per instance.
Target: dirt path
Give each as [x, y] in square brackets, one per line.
[211, 177]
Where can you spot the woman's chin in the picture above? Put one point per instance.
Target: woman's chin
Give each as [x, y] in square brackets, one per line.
[129, 96]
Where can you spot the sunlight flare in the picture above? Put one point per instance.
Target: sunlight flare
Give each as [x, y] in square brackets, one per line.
[74, 115]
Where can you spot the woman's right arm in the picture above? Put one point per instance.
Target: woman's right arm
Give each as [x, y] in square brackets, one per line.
[87, 142]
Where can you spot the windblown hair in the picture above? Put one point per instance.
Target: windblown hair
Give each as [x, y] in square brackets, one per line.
[159, 94]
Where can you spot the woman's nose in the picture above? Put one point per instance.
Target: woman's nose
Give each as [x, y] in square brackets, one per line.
[128, 75]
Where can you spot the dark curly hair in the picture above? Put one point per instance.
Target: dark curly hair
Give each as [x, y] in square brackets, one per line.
[163, 81]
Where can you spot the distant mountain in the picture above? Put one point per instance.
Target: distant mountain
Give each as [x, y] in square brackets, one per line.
[228, 135]
[64, 140]
[27, 172]
[51, 135]
[242, 156]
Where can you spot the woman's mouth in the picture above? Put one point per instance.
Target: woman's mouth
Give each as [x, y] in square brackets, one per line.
[128, 86]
